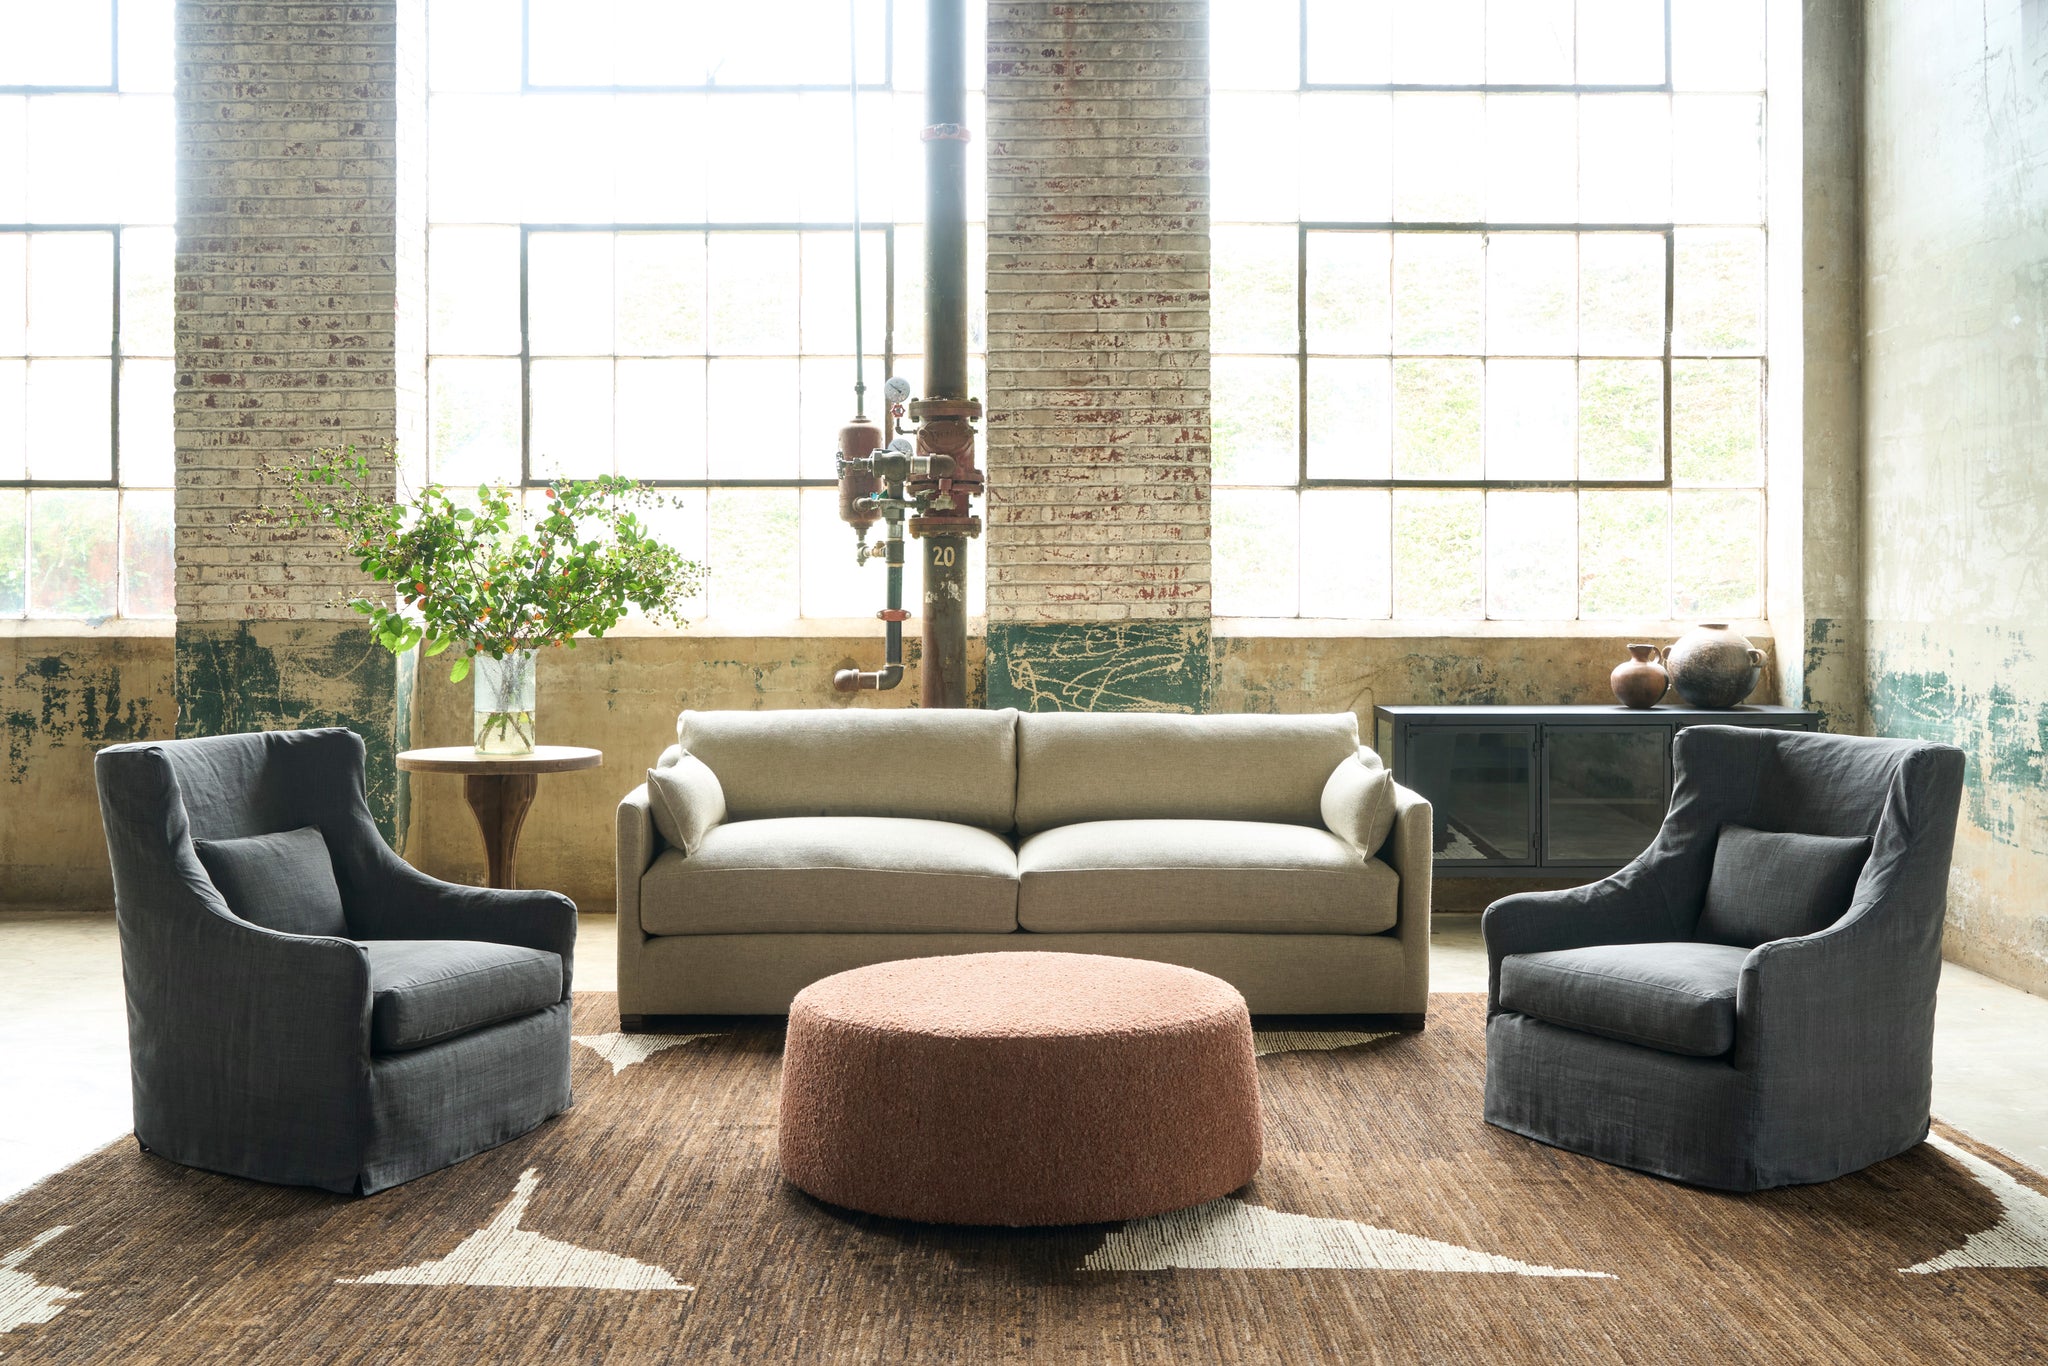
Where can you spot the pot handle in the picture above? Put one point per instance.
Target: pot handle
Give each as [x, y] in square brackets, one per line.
[1756, 656]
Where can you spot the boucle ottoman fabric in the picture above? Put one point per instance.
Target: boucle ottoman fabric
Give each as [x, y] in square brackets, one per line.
[1019, 1089]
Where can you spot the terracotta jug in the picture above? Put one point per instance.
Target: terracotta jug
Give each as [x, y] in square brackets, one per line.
[1640, 681]
[1713, 667]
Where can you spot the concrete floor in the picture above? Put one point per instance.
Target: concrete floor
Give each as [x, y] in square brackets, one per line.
[64, 1062]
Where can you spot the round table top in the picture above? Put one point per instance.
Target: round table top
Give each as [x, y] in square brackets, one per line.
[463, 759]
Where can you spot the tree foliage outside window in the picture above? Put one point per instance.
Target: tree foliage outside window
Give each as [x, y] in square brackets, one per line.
[1488, 308]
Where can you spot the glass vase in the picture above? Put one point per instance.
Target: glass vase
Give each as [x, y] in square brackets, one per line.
[504, 703]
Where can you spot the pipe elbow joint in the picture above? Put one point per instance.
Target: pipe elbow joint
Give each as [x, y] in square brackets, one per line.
[865, 680]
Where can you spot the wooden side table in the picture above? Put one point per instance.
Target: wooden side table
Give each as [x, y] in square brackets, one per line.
[500, 788]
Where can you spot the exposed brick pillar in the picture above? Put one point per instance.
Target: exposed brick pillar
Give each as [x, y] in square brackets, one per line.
[299, 273]
[1098, 355]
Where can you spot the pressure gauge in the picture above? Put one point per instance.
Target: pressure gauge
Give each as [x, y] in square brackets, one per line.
[897, 390]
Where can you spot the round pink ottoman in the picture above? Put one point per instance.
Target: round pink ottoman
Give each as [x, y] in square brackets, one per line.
[1019, 1088]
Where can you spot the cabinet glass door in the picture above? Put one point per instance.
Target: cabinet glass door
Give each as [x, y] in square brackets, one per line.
[1605, 792]
[1482, 786]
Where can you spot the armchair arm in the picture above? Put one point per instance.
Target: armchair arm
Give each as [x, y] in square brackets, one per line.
[1630, 907]
[1409, 852]
[404, 903]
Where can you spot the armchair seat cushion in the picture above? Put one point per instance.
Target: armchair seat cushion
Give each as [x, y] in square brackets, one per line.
[1675, 997]
[821, 874]
[1193, 876]
[426, 990]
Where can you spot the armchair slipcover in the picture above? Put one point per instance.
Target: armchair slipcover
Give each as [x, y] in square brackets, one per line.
[1800, 1059]
[253, 1052]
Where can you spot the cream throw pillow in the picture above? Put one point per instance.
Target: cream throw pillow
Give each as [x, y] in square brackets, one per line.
[686, 801]
[1358, 802]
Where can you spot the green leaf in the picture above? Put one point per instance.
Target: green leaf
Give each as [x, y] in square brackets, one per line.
[460, 671]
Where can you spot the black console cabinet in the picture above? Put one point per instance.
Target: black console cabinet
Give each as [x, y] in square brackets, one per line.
[1527, 791]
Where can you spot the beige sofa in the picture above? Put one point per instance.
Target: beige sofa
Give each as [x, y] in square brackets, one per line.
[770, 849]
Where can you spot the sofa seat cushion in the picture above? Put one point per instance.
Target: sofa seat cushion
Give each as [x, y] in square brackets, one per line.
[819, 874]
[425, 990]
[1679, 998]
[1233, 877]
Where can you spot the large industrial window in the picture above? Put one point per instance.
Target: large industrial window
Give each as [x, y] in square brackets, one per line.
[640, 261]
[1488, 308]
[86, 203]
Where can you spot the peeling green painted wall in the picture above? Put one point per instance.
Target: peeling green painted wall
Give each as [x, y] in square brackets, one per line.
[62, 700]
[281, 675]
[1085, 666]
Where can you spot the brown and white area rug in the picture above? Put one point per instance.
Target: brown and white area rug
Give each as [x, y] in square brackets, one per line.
[1389, 1224]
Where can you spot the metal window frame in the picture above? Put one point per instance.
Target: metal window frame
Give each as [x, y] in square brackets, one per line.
[114, 359]
[527, 86]
[113, 84]
[528, 479]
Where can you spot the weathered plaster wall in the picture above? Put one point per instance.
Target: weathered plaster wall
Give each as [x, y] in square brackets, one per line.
[1956, 429]
[61, 699]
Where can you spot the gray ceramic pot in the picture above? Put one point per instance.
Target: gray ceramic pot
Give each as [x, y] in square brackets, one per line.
[1712, 666]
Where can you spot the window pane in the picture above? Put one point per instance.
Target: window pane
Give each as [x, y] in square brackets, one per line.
[1348, 137]
[1252, 285]
[569, 293]
[1348, 412]
[1532, 158]
[1717, 146]
[1529, 43]
[147, 579]
[147, 159]
[72, 552]
[1439, 291]
[1253, 151]
[1716, 554]
[1255, 551]
[13, 552]
[1532, 556]
[70, 140]
[566, 158]
[13, 159]
[1255, 45]
[661, 157]
[742, 185]
[571, 418]
[1436, 553]
[1624, 158]
[1621, 42]
[1621, 294]
[1718, 291]
[827, 303]
[473, 422]
[1717, 44]
[59, 44]
[1344, 553]
[678, 520]
[571, 42]
[660, 419]
[1624, 553]
[751, 285]
[1530, 411]
[147, 46]
[1439, 158]
[1717, 422]
[70, 293]
[473, 45]
[1255, 404]
[1531, 297]
[658, 280]
[834, 584]
[827, 404]
[1436, 419]
[473, 290]
[1349, 304]
[70, 419]
[475, 165]
[13, 293]
[13, 419]
[147, 387]
[1348, 40]
[1621, 419]
[146, 318]
[753, 431]
[1440, 43]
[753, 554]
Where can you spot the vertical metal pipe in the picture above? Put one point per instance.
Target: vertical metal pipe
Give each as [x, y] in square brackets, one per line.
[946, 409]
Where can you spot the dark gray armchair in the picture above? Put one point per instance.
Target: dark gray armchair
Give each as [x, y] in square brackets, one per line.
[1690, 1016]
[399, 1024]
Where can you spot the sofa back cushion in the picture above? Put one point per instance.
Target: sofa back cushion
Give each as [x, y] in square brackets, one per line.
[283, 881]
[1766, 885]
[1095, 766]
[923, 765]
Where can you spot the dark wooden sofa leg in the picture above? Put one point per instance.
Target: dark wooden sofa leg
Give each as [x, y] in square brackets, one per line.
[1412, 1024]
[632, 1024]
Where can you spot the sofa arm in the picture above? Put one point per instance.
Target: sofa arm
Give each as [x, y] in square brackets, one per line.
[1409, 851]
[1627, 908]
[638, 843]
